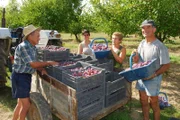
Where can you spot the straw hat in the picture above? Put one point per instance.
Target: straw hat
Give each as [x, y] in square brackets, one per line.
[28, 30]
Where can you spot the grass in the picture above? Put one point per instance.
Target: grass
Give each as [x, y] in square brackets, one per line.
[123, 113]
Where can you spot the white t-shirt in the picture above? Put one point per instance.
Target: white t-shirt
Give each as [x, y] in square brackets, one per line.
[156, 49]
[86, 49]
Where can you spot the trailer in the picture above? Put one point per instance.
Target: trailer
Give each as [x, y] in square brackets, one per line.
[50, 96]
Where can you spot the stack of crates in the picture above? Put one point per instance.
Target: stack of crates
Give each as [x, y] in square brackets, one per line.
[46, 55]
[90, 90]
[56, 71]
[115, 88]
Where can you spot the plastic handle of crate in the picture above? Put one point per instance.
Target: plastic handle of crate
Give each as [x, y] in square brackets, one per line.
[164, 95]
[131, 60]
[98, 39]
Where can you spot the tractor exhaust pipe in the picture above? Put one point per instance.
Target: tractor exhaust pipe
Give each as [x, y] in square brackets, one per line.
[3, 19]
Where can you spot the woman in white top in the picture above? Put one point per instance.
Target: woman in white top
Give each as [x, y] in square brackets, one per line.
[83, 47]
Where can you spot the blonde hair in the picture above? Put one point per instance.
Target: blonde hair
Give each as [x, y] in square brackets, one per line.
[118, 34]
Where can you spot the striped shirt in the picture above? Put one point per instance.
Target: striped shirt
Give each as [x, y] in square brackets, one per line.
[25, 53]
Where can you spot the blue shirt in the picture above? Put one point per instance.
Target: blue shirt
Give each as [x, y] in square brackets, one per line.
[25, 53]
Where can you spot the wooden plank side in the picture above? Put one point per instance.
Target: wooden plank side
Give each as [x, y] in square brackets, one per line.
[59, 85]
[44, 89]
[34, 83]
[62, 98]
[63, 105]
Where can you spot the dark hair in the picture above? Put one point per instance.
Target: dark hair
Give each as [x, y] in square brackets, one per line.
[85, 31]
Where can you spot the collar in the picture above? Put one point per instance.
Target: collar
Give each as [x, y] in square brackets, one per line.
[29, 44]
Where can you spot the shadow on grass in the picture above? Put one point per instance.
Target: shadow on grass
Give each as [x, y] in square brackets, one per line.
[132, 111]
[6, 98]
[67, 40]
[124, 112]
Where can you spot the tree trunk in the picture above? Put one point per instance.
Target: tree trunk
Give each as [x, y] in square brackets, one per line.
[77, 38]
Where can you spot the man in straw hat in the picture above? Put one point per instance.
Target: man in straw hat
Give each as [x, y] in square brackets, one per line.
[25, 64]
[151, 48]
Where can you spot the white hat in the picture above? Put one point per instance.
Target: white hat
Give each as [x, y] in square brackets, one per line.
[28, 30]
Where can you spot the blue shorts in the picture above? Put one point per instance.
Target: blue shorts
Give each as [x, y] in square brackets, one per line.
[151, 87]
[21, 85]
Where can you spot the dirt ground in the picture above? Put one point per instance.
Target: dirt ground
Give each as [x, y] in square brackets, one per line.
[170, 85]
[5, 114]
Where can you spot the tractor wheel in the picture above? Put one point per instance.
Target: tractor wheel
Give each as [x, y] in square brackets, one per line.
[2, 68]
[39, 109]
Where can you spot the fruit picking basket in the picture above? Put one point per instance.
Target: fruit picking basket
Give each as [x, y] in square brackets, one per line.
[140, 72]
[100, 50]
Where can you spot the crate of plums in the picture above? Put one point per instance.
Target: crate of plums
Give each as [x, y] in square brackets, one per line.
[53, 53]
[56, 71]
[89, 83]
[140, 70]
[83, 75]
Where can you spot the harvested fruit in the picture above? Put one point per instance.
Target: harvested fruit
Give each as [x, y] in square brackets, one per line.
[84, 72]
[99, 47]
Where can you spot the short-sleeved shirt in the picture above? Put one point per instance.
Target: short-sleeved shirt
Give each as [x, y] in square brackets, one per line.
[25, 53]
[154, 50]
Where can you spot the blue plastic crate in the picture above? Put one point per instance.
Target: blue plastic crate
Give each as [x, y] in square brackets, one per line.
[139, 73]
[100, 54]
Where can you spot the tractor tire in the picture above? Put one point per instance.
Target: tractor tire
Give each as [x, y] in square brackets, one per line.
[39, 109]
[2, 68]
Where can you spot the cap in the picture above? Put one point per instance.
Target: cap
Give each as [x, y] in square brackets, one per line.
[148, 22]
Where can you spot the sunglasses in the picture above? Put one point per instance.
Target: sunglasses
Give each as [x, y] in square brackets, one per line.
[86, 34]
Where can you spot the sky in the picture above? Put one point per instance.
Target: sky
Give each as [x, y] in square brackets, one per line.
[3, 3]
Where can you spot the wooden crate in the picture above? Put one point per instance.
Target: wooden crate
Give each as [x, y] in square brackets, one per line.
[62, 98]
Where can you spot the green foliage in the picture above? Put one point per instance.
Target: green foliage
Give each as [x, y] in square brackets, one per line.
[61, 15]
[175, 59]
[127, 15]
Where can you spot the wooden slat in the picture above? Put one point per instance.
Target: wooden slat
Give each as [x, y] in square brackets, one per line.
[34, 83]
[63, 105]
[59, 85]
[44, 89]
